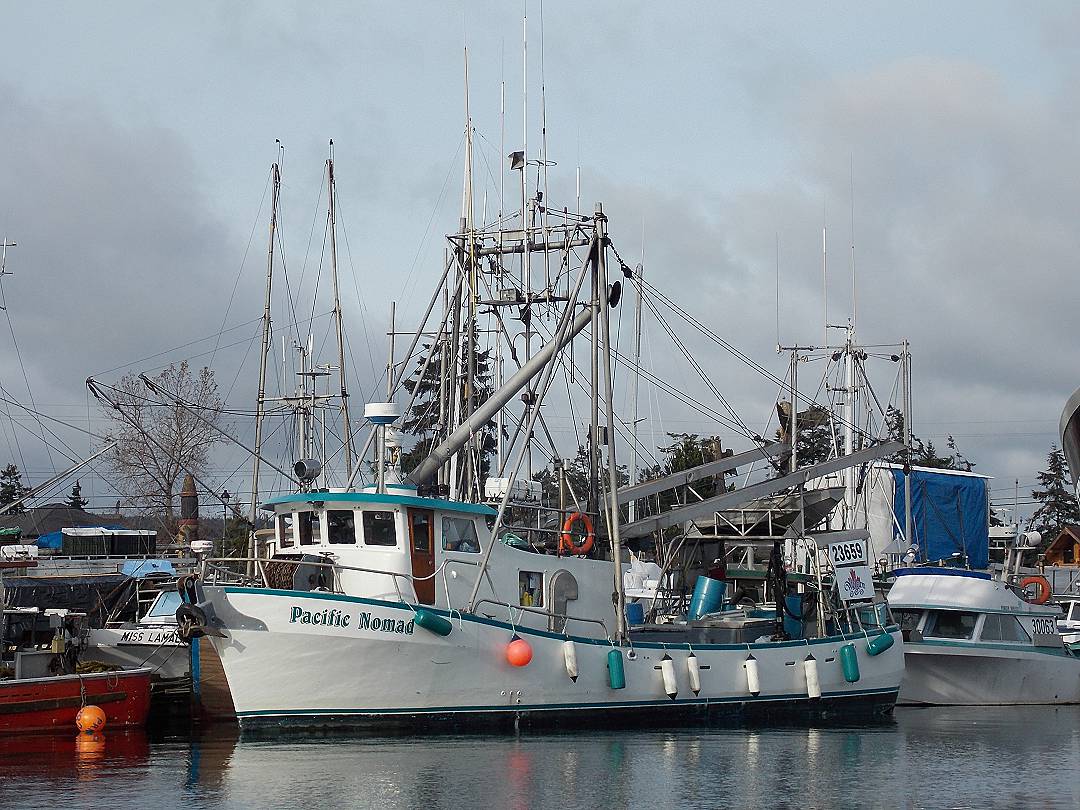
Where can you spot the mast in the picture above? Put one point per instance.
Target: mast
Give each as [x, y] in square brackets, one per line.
[609, 408]
[634, 401]
[346, 427]
[264, 350]
[907, 442]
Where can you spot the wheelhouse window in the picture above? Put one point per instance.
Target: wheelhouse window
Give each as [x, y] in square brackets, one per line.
[285, 529]
[340, 526]
[309, 528]
[531, 588]
[953, 624]
[379, 528]
[1000, 627]
[459, 534]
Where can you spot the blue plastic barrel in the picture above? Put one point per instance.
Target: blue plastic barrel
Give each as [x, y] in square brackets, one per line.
[635, 613]
[793, 627]
[708, 596]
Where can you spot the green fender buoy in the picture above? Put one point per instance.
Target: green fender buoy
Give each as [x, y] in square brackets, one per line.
[616, 676]
[849, 663]
[879, 644]
[433, 622]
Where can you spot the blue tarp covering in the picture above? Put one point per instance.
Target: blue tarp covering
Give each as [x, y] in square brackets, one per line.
[55, 540]
[949, 514]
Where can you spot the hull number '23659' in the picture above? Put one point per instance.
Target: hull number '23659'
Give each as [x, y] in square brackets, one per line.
[851, 552]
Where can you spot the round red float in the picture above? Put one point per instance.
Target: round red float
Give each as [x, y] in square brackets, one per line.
[518, 652]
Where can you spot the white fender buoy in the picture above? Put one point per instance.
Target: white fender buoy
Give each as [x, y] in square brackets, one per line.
[667, 671]
[569, 656]
[753, 682]
[813, 682]
[693, 669]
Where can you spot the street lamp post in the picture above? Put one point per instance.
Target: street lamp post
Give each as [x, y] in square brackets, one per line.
[225, 496]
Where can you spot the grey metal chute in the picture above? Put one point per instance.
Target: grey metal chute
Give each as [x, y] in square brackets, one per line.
[1070, 434]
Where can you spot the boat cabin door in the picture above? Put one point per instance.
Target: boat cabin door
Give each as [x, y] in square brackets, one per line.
[422, 545]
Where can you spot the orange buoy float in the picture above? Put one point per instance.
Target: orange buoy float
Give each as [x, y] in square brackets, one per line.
[518, 652]
[90, 719]
[1043, 591]
[566, 539]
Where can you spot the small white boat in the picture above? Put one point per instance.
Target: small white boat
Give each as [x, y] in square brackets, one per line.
[1069, 623]
[151, 642]
[972, 640]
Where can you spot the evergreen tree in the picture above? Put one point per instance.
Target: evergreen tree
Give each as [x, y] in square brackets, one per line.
[11, 489]
[423, 418]
[76, 500]
[1058, 504]
[815, 436]
[577, 479]
[923, 454]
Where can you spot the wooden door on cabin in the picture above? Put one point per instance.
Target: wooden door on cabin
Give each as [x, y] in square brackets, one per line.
[422, 546]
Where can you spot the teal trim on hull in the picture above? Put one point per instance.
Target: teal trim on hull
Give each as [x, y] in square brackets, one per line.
[374, 497]
[466, 617]
[503, 709]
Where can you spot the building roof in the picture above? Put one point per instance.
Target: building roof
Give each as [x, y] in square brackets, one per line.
[52, 517]
[1069, 534]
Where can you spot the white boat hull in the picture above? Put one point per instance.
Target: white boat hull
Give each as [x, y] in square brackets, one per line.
[282, 670]
[158, 648]
[976, 674]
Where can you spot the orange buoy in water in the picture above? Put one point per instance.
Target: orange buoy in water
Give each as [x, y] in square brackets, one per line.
[518, 652]
[90, 719]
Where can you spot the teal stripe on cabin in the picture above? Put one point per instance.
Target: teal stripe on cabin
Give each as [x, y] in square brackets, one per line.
[454, 615]
[984, 645]
[526, 707]
[376, 498]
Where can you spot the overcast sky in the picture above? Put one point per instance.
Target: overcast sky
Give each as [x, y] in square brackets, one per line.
[135, 144]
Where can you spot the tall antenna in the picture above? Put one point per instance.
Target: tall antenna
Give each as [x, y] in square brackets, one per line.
[778, 291]
[825, 272]
[346, 426]
[854, 304]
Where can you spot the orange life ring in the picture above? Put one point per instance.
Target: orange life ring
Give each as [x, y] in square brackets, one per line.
[1043, 592]
[566, 539]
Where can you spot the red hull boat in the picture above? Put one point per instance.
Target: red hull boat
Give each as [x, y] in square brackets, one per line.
[51, 703]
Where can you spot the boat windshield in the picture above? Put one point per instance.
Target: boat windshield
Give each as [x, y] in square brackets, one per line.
[164, 607]
[908, 618]
[956, 624]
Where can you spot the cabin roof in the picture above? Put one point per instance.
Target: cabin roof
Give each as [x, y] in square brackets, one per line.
[379, 498]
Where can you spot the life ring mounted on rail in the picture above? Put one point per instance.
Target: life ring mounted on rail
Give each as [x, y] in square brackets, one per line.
[1043, 591]
[566, 539]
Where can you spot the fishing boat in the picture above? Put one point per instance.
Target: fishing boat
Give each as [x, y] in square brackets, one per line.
[42, 688]
[149, 641]
[971, 638]
[441, 595]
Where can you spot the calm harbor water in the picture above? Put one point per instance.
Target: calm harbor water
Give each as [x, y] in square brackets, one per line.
[925, 758]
